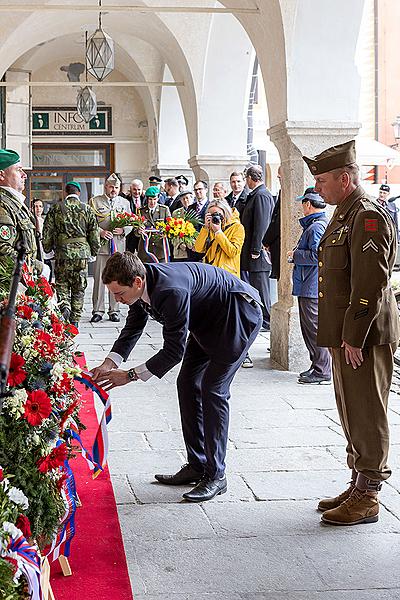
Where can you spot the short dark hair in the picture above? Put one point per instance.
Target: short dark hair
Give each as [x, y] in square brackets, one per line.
[203, 182]
[123, 267]
[255, 172]
[172, 181]
[236, 174]
[72, 189]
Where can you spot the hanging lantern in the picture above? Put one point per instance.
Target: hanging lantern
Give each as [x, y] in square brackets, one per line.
[86, 104]
[100, 53]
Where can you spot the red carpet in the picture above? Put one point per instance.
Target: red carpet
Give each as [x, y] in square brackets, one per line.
[97, 555]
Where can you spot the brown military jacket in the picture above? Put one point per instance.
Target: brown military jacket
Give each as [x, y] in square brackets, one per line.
[356, 256]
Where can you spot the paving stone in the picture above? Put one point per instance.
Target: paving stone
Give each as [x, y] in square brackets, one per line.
[280, 437]
[324, 595]
[200, 596]
[288, 418]
[163, 523]
[122, 441]
[122, 491]
[143, 461]
[280, 459]
[223, 565]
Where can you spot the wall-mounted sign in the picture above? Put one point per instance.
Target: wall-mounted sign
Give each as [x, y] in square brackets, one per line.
[65, 120]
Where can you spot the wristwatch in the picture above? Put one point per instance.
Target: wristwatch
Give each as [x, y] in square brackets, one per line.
[133, 376]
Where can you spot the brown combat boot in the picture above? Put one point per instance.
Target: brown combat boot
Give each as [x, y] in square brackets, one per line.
[330, 503]
[361, 506]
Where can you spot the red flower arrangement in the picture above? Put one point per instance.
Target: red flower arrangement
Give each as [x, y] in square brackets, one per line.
[24, 311]
[55, 459]
[45, 287]
[16, 373]
[62, 386]
[24, 525]
[58, 328]
[37, 407]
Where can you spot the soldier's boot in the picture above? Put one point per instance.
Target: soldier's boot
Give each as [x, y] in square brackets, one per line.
[362, 506]
[330, 503]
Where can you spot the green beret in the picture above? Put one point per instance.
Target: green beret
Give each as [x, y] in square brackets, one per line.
[332, 158]
[8, 158]
[75, 183]
[152, 192]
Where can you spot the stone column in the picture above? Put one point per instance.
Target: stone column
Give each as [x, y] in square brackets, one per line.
[216, 168]
[293, 140]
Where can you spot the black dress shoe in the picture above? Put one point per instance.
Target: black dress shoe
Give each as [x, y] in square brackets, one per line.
[206, 489]
[114, 318]
[307, 373]
[186, 474]
[96, 318]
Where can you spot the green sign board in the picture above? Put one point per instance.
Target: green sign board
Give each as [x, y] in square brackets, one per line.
[66, 121]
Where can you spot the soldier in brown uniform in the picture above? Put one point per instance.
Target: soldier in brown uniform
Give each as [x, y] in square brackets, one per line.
[358, 321]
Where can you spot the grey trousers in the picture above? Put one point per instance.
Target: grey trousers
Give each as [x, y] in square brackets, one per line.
[320, 357]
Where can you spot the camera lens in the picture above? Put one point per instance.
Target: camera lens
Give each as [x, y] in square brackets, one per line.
[216, 218]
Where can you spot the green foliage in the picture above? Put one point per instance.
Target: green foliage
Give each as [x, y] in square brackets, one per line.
[6, 271]
[8, 589]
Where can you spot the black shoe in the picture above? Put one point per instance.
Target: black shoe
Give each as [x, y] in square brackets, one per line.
[206, 489]
[315, 379]
[186, 474]
[265, 329]
[307, 373]
[96, 318]
[114, 318]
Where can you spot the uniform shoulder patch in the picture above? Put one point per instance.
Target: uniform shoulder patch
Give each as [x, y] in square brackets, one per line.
[370, 245]
[5, 232]
[371, 225]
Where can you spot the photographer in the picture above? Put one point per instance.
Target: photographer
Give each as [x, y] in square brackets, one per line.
[222, 236]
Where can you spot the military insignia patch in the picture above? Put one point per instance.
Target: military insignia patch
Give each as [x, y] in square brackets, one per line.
[370, 245]
[371, 225]
[364, 301]
[361, 313]
[5, 232]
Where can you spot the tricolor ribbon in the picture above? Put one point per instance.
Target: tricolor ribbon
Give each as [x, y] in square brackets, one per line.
[112, 246]
[29, 563]
[100, 446]
[146, 239]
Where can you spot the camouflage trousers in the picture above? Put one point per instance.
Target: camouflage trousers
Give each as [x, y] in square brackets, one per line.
[71, 283]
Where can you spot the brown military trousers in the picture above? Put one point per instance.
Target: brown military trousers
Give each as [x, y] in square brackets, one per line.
[362, 399]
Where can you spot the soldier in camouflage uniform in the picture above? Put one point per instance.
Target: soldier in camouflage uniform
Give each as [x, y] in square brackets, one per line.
[71, 230]
[16, 221]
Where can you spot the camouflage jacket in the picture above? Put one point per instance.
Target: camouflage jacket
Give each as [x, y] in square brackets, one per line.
[17, 224]
[71, 230]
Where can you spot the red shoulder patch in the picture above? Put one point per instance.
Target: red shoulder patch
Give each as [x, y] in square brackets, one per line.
[371, 225]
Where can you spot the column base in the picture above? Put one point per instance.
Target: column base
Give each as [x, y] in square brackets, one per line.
[287, 345]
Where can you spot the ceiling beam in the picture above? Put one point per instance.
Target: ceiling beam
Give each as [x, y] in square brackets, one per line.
[124, 9]
[92, 83]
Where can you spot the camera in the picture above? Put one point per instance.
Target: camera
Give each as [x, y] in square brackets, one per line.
[216, 218]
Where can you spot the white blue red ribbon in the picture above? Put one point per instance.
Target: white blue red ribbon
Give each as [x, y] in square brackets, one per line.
[112, 246]
[146, 235]
[29, 563]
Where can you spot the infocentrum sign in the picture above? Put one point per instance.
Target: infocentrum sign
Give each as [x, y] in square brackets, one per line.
[65, 120]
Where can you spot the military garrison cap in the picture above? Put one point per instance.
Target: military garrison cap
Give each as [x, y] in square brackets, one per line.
[154, 179]
[385, 187]
[182, 179]
[332, 158]
[8, 158]
[113, 179]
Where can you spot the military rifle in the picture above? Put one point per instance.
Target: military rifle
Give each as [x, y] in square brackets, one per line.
[7, 322]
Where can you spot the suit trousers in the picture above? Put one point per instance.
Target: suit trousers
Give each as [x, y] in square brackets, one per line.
[362, 400]
[320, 357]
[204, 391]
[99, 289]
[260, 281]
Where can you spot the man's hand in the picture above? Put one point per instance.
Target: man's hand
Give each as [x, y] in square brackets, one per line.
[118, 231]
[106, 366]
[107, 235]
[111, 379]
[290, 254]
[352, 355]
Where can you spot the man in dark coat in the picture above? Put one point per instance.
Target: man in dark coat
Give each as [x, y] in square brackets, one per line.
[222, 316]
[237, 197]
[255, 218]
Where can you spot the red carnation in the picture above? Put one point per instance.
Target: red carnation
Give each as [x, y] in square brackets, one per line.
[37, 407]
[24, 525]
[71, 329]
[24, 311]
[1, 474]
[43, 343]
[16, 374]
[55, 459]
[181, 235]
[58, 328]
[45, 287]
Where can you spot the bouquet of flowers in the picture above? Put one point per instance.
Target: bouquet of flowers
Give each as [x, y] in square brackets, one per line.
[125, 219]
[41, 405]
[182, 230]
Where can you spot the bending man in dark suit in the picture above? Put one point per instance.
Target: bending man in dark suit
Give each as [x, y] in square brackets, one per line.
[182, 296]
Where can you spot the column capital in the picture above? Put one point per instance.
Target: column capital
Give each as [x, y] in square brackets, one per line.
[214, 168]
[310, 135]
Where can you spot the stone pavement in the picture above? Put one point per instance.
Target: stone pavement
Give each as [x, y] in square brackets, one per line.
[262, 540]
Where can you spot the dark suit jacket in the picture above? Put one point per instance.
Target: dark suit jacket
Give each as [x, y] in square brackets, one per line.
[200, 299]
[272, 238]
[255, 218]
[240, 202]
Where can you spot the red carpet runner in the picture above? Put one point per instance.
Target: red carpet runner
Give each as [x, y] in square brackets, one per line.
[97, 555]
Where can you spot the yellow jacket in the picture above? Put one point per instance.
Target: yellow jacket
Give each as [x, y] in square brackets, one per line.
[223, 248]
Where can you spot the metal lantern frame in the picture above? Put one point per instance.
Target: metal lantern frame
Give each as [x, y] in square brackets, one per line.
[100, 53]
[86, 104]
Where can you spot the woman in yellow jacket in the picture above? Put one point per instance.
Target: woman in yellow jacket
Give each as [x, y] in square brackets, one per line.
[222, 236]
